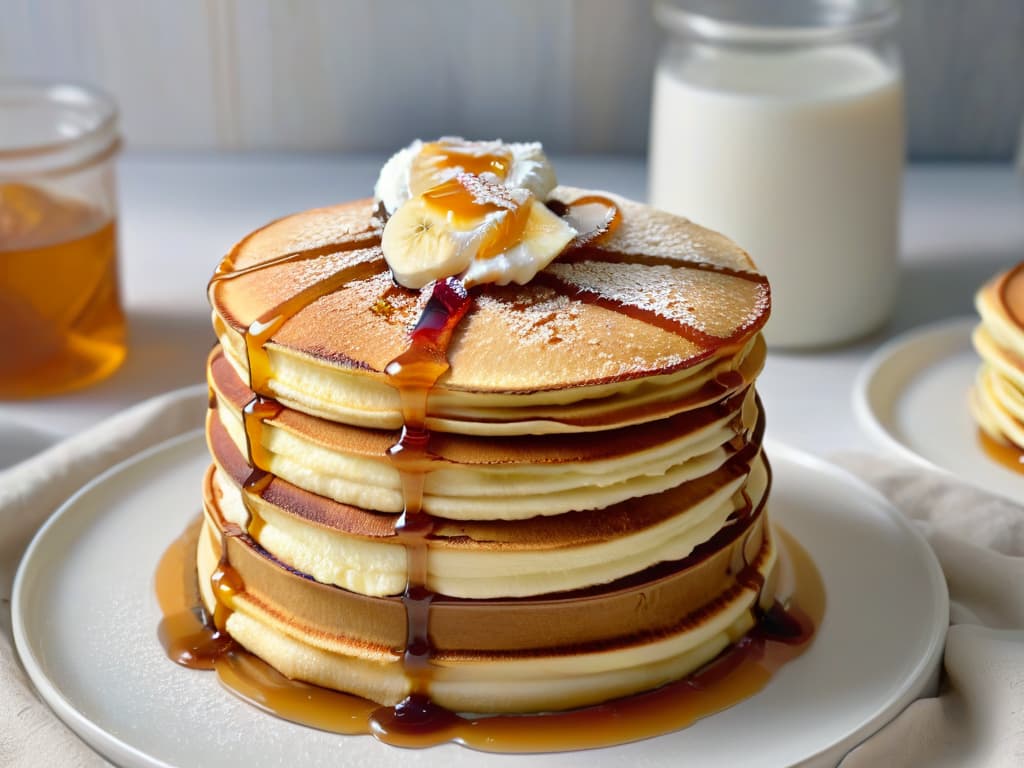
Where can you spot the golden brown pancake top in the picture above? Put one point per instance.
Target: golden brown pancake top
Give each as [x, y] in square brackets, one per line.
[659, 294]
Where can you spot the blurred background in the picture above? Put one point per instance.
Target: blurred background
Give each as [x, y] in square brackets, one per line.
[369, 75]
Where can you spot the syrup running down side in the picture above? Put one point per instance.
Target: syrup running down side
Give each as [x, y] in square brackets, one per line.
[187, 632]
[783, 633]
[414, 374]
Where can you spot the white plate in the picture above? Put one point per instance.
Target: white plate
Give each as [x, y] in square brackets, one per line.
[911, 397]
[85, 620]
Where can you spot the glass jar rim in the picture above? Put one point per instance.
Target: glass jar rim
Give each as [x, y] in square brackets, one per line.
[90, 138]
[673, 16]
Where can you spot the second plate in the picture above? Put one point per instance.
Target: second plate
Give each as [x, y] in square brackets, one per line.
[911, 397]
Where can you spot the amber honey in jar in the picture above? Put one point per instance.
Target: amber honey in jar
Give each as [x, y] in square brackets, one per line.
[61, 322]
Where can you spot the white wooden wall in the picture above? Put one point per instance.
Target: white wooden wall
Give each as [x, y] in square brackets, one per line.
[371, 74]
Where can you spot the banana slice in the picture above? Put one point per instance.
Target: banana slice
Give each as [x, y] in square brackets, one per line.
[472, 227]
[420, 244]
[544, 236]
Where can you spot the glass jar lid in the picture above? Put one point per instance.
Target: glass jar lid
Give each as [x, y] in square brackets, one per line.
[54, 128]
[779, 22]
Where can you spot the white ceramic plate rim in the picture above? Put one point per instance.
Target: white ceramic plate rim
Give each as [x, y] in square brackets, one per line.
[871, 413]
[116, 749]
[916, 681]
[90, 732]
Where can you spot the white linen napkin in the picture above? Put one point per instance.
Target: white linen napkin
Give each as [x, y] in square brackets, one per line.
[30, 734]
[977, 720]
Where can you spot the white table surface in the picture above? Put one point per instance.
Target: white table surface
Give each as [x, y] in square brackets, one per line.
[181, 212]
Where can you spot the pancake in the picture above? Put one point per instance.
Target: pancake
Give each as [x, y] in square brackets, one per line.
[997, 399]
[587, 333]
[502, 498]
[354, 548]
[500, 478]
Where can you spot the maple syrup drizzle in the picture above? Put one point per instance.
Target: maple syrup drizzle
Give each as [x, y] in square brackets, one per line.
[226, 270]
[225, 581]
[414, 374]
[186, 631]
[270, 322]
[581, 250]
[439, 155]
[584, 253]
[783, 633]
[466, 199]
[594, 217]
[1007, 454]
[749, 576]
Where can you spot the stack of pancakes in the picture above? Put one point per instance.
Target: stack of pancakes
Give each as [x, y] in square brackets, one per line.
[997, 400]
[597, 485]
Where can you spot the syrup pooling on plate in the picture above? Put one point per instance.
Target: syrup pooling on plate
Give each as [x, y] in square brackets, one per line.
[783, 633]
[187, 633]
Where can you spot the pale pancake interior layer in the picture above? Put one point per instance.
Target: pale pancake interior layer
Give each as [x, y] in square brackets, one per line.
[530, 679]
[997, 399]
[501, 558]
[481, 479]
[646, 603]
[605, 338]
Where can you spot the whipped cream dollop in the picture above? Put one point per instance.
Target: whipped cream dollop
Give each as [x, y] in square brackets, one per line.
[472, 209]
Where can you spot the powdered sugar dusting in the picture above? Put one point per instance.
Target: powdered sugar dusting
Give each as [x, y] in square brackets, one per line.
[339, 225]
[711, 303]
[312, 271]
[539, 316]
[379, 295]
[651, 232]
[487, 190]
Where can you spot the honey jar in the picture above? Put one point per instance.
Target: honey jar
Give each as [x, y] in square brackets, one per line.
[61, 320]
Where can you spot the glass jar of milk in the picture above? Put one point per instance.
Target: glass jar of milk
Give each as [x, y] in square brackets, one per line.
[780, 124]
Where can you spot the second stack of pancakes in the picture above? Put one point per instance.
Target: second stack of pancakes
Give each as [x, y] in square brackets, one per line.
[997, 398]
